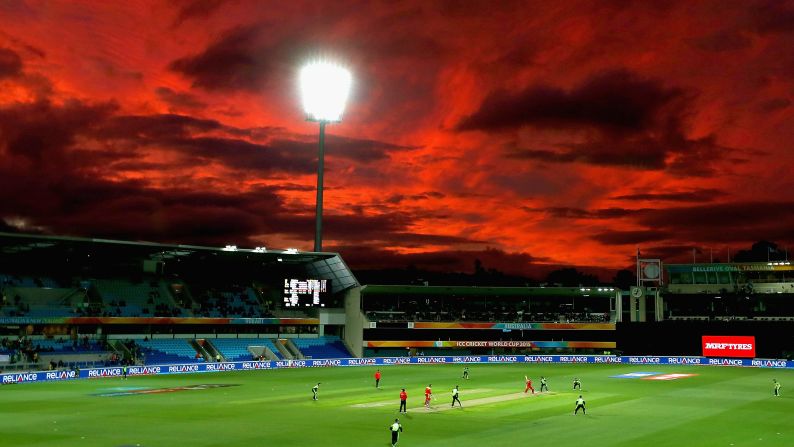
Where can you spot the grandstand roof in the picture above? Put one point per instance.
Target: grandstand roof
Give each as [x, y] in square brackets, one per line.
[27, 249]
[15, 244]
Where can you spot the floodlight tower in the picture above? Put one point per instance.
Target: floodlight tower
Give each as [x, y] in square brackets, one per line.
[324, 90]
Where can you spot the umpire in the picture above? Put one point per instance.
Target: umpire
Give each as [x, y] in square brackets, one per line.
[395, 430]
[455, 396]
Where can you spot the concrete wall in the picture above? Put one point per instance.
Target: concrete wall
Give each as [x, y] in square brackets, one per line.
[354, 322]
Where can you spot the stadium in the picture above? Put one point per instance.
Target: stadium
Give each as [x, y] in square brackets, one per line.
[124, 343]
[502, 242]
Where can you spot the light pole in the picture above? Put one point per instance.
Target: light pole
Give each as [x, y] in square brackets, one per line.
[324, 90]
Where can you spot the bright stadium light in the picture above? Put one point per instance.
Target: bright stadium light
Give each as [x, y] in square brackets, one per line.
[324, 90]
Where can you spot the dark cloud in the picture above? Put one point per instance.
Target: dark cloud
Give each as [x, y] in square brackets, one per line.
[722, 216]
[723, 40]
[53, 181]
[773, 105]
[196, 9]
[707, 223]
[179, 100]
[615, 100]
[230, 63]
[10, 63]
[396, 199]
[76, 203]
[579, 213]
[362, 150]
[419, 240]
[640, 152]
[772, 16]
[280, 156]
[626, 121]
[154, 127]
[701, 195]
[615, 237]
[204, 140]
[40, 132]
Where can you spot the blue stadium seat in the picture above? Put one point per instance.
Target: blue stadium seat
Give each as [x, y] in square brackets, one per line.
[327, 347]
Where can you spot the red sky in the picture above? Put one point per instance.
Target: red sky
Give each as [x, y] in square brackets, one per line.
[525, 134]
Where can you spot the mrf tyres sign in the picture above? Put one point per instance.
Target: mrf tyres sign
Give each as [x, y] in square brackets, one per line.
[728, 346]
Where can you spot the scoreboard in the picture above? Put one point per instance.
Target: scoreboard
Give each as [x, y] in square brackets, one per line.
[306, 292]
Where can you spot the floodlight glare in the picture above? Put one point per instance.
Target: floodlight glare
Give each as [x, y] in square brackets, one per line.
[324, 90]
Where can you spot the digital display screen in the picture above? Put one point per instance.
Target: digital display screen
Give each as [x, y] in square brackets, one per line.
[729, 346]
[306, 292]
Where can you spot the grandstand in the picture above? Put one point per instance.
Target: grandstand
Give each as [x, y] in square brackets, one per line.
[239, 349]
[761, 291]
[129, 299]
[158, 304]
[39, 297]
[328, 347]
[140, 303]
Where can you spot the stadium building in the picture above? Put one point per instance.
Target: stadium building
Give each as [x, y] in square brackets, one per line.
[76, 302]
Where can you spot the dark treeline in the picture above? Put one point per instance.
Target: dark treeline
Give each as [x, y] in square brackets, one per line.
[480, 275]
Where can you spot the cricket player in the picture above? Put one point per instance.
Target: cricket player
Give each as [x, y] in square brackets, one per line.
[777, 387]
[579, 404]
[315, 388]
[395, 430]
[455, 396]
[543, 384]
[403, 402]
[577, 384]
[377, 379]
[428, 395]
[466, 372]
[529, 385]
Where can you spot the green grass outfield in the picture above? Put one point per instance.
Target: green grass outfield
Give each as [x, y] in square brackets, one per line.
[720, 406]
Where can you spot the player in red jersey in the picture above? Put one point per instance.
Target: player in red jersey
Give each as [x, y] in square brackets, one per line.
[377, 379]
[529, 385]
[428, 396]
[403, 401]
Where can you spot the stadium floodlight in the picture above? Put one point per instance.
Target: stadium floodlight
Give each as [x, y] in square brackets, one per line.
[324, 90]
[230, 248]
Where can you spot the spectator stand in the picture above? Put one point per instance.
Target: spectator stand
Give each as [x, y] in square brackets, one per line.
[326, 347]
[38, 297]
[144, 299]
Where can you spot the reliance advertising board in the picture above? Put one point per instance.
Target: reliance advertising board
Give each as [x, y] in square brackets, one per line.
[98, 373]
